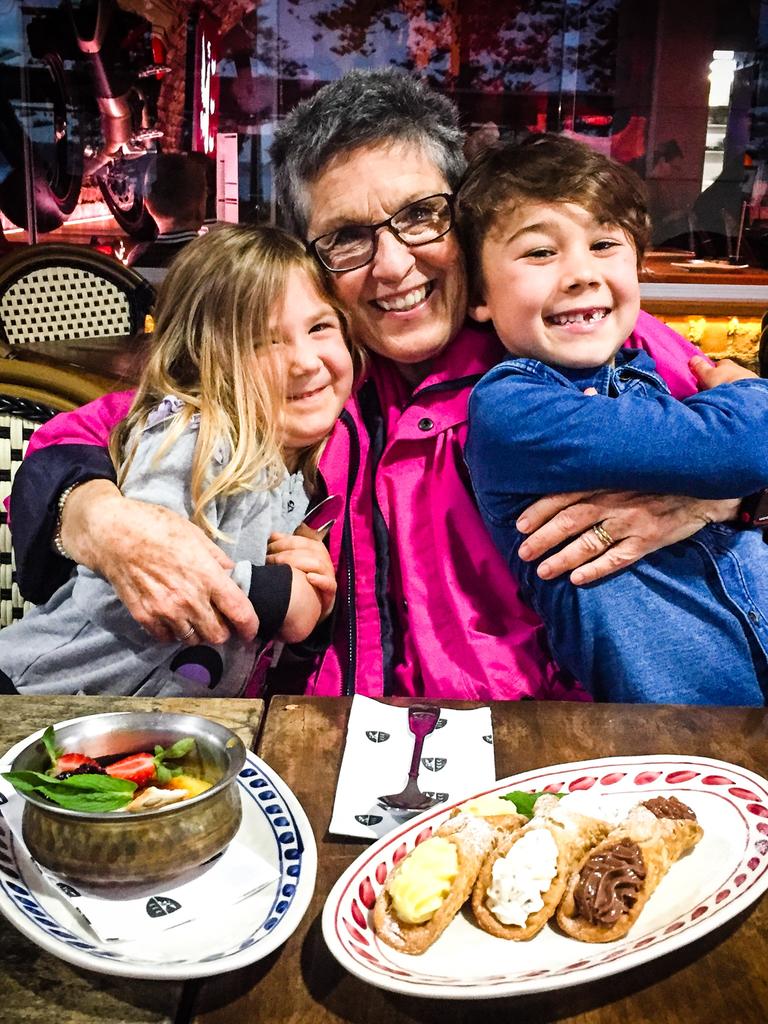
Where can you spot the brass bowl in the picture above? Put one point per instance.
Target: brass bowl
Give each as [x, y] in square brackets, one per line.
[145, 847]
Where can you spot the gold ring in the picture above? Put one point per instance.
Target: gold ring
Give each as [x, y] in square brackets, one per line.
[600, 531]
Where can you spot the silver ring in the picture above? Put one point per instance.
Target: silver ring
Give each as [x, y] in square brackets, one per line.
[186, 635]
[602, 534]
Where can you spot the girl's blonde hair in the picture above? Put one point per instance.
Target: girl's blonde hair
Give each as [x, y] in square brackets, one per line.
[211, 316]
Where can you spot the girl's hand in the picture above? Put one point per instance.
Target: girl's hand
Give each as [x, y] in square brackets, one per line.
[310, 556]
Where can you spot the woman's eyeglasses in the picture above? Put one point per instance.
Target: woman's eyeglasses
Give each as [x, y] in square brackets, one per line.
[354, 245]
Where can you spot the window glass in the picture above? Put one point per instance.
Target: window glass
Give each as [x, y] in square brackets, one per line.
[678, 91]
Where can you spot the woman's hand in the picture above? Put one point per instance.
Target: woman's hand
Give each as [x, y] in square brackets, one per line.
[306, 552]
[637, 523]
[167, 573]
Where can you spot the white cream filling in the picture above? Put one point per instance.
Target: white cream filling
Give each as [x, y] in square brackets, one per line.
[591, 805]
[520, 877]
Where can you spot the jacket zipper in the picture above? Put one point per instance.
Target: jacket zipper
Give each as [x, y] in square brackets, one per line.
[348, 678]
[373, 420]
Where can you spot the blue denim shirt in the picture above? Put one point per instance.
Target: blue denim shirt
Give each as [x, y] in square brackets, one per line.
[687, 624]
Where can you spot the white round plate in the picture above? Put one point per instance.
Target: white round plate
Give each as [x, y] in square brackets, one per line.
[722, 875]
[274, 825]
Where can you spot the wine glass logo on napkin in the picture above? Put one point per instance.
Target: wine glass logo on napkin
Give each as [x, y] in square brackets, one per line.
[457, 761]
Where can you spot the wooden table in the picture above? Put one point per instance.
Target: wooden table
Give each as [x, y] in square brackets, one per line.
[722, 977]
[37, 988]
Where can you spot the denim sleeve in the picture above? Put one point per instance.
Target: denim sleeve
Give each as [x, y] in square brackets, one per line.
[532, 436]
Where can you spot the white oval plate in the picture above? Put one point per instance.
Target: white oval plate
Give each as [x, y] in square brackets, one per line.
[274, 824]
[723, 875]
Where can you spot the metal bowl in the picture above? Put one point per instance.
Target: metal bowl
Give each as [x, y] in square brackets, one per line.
[149, 846]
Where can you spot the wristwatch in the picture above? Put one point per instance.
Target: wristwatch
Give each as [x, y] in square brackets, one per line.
[57, 545]
[753, 510]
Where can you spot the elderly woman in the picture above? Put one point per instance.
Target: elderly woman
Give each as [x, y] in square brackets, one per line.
[365, 171]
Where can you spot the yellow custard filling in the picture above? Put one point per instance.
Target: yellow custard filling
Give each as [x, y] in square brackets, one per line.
[488, 806]
[423, 880]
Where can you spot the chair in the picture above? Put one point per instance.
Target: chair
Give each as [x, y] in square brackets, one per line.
[30, 394]
[69, 293]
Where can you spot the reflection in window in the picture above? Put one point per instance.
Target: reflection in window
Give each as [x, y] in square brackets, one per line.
[681, 99]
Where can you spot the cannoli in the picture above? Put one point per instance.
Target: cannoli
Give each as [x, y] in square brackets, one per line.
[424, 892]
[523, 878]
[497, 811]
[613, 882]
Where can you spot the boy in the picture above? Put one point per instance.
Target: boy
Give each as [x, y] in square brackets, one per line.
[557, 232]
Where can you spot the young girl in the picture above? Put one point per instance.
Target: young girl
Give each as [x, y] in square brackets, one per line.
[250, 366]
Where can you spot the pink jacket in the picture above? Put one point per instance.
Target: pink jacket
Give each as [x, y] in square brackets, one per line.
[426, 604]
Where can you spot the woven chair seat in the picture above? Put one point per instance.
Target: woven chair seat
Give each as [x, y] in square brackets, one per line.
[30, 394]
[19, 419]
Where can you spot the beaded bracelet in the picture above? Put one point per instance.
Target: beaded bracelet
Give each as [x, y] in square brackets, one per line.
[57, 544]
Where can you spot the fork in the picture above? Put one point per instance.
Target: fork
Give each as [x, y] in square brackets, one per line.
[422, 719]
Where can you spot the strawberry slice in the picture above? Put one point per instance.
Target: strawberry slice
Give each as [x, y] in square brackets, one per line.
[138, 768]
[144, 767]
[71, 762]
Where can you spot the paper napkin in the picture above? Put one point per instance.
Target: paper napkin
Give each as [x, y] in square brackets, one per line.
[457, 761]
[125, 913]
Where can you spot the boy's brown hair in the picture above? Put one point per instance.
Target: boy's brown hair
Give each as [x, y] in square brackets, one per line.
[547, 169]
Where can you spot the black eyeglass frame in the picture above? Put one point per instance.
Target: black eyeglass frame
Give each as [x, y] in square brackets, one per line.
[374, 228]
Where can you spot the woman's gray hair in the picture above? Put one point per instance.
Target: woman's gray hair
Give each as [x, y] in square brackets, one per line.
[362, 108]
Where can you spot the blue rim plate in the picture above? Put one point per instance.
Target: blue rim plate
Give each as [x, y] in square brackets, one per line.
[274, 824]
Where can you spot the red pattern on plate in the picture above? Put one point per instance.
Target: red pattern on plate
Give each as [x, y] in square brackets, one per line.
[743, 794]
[716, 780]
[762, 828]
[355, 933]
[753, 863]
[674, 927]
[585, 782]
[612, 777]
[399, 853]
[758, 809]
[698, 913]
[424, 834]
[359, 916]
[381, 873]
[553, 787]
[762, 846]
[722, 895]
[675, 777]
[646, 778]
[366, 893]
[739, 879]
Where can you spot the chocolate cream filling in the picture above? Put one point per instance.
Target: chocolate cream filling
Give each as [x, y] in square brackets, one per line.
[609, 883]
[670, 807]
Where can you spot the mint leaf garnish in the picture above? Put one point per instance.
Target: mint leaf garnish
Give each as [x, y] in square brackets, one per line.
[50, 746]
[524, 802]
[179, 749]
[78, 792]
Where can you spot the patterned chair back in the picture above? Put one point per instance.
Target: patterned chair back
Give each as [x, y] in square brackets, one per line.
[30, 394]
[69, 293]
[19, 419]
